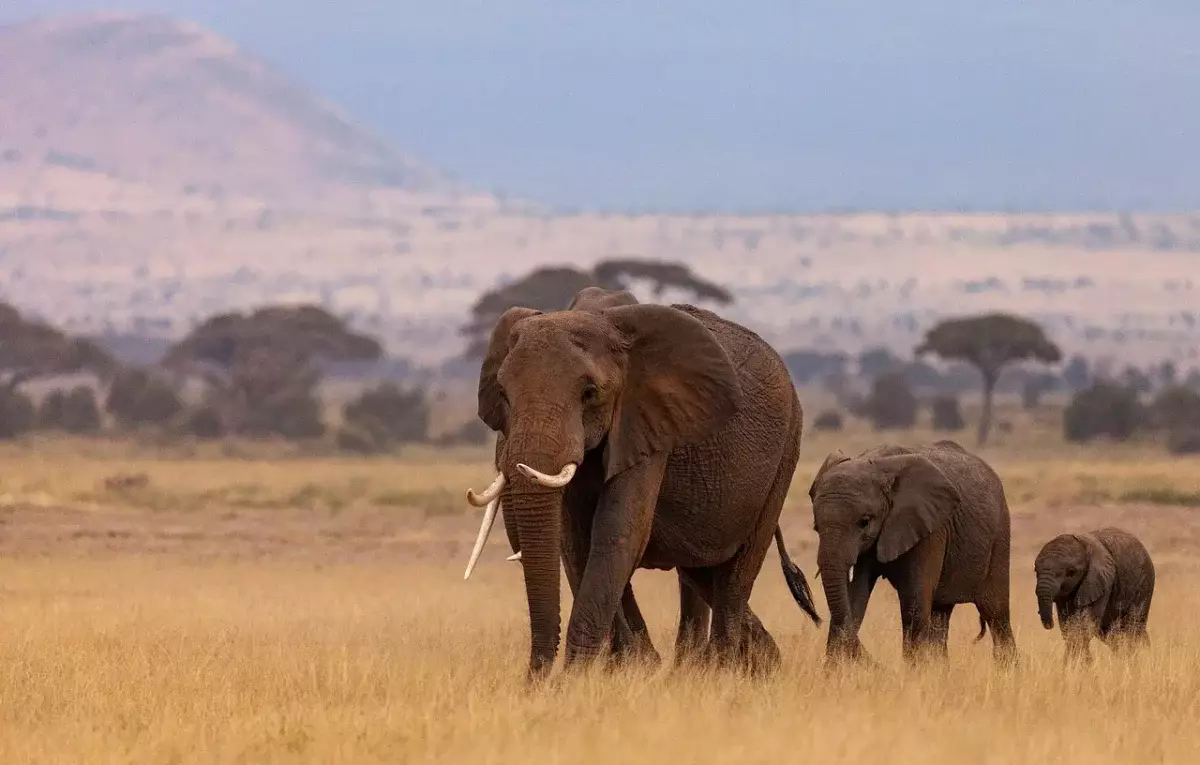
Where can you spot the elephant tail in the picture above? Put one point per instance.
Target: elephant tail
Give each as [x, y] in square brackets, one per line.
[795, 580]
[982, 628]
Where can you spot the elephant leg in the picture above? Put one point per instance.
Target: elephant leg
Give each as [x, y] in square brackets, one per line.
[993, 605]
[757, 640]
[629, 637]
[619, 535]
[633, 641]
[737, 634]
[1077, 633]
[860, 589]
[731, 615]
[939, 628]
[694, 614]
[915, 584]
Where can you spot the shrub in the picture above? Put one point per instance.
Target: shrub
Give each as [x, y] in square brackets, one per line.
[203, 422]
[295, 416]
[355, 440]
[1175, 406]
[473, 432]
[138, 397]
[891, 404]
[389, 415]
[1104, 409]
[17, 413]
[1184, 439]
[1035, 387]
[947, 415]
[828, 420]
[73, 411]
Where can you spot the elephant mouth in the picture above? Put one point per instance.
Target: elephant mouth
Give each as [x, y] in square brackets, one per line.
[490, 500]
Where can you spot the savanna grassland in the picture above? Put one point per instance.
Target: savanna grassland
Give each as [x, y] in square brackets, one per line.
[254, 607]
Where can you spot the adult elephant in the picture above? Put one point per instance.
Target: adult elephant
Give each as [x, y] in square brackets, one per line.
[639, 436]
[932, 520]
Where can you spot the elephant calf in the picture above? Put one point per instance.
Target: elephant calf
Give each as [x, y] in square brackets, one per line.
[933, 521]
[1101, 581]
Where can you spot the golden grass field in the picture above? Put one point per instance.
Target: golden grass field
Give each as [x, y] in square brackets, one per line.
[157, 609]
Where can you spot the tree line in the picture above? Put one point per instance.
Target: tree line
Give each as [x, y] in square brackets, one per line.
[253, 375]
[259, 374]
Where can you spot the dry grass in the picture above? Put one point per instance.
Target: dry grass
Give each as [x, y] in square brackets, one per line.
[191, 624]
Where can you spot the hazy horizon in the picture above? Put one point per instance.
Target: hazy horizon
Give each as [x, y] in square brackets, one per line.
[853, 105]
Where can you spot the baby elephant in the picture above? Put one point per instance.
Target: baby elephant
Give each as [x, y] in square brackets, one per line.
[933, 521]
[1102, 582]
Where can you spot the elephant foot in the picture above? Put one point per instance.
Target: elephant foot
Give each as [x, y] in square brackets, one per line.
[643, 656]
[761, 658]
[846, 653]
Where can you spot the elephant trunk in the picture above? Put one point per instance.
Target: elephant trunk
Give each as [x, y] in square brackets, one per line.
[835, 578]
[1046, 589]
[538, 514]
[539, 462]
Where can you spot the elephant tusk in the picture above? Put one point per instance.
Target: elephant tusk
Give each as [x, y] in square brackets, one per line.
[852, 575]
[489, 518]
[515, 556]
[553, 481]
[490, 493]
[818, 575]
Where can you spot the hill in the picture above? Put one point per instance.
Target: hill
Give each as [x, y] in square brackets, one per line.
[153, 174]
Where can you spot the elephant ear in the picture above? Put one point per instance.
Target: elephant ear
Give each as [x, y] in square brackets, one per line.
[680, 386]
[491, 402]
[598, 298]
[1101, 571]
[836, 457]
[923, 500]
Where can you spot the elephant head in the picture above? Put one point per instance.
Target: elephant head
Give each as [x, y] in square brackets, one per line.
[883, 503]
[1074, 566]
[612, 378]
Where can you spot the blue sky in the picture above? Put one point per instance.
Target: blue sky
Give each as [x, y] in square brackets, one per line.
[756, 105]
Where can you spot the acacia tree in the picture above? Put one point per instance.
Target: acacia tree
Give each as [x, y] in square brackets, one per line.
[551, 288]
[31, 349]
[989, 343]
[262, 369]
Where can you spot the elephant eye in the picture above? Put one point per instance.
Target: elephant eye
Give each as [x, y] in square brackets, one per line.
[590, 394]
[864, 522]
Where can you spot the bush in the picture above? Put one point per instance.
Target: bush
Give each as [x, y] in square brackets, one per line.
[947, 415]
[203, 422]
[1104, 409]
[1184, 439]
[1035, 387]
[472, 432]
[389, 415]
[354, 440]
[73, 411]
[1175, 406]
[295, 416]
[891, 404]
[138, 397]
[17, 413]
[828, 420]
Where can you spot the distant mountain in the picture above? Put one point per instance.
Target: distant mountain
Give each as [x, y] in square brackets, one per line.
[152, 174]
[102, 101]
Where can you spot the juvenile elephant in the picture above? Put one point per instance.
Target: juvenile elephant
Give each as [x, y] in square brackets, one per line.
[1102, 582]
[639, 436]
[932, 520]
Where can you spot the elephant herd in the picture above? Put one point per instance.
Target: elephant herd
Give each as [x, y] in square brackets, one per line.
[633, 435]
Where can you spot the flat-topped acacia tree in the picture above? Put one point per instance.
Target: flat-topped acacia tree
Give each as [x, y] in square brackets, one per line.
[30, 349]
[989, 342]
[551, 288]
[261, 368]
